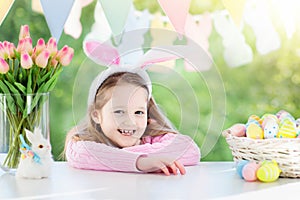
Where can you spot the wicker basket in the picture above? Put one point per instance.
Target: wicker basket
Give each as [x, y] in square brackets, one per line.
[285, 151]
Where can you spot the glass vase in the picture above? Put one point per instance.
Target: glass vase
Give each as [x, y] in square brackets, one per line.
[17, 113]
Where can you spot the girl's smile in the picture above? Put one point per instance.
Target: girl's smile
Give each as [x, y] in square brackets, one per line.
[126, 132]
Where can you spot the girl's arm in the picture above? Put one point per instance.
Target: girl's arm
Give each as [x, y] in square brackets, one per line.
[98, 156]
[167, 150]
[175, 146]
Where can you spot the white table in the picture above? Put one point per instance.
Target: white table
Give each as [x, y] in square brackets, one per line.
[205, 181]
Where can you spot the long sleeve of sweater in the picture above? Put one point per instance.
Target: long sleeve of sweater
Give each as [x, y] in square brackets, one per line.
[97, 156]
[178, 146]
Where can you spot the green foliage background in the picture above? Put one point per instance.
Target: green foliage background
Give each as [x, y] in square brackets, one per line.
[268, 84]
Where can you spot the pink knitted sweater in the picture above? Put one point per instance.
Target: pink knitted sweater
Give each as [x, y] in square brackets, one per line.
[98, 156]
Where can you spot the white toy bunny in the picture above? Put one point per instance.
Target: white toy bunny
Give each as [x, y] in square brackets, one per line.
[35, 161]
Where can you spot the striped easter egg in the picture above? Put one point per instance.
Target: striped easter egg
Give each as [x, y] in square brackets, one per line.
[268, 172]
[287, 129]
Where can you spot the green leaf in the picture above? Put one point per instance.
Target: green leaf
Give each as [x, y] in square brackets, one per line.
[38, 101]
[16, 69]
[53, 84]
[48, 85]
[16, 95]
[20, 87]
[10, 101]
[44, 78]
[29, 83]
[10, 77]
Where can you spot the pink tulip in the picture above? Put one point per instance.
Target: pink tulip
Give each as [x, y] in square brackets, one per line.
[5, 44]
[52, 46]
[65, 55]
[25, 44]
[40, 46]
[20, 46]
[4, 68]
[26, 61]
[11, 50]
[28, 45]
[24, 32]
[42, 59]
[63, 51]
[5, 50]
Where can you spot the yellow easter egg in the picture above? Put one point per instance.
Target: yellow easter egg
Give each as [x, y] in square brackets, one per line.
[268, 172]
[254, 131]
[287, 130]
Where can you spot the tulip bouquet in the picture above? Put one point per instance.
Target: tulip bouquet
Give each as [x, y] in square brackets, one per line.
[27, 70]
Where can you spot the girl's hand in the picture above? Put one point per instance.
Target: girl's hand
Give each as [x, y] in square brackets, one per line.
[152, 163]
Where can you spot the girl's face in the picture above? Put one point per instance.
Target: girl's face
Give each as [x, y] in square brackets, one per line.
[123, 118]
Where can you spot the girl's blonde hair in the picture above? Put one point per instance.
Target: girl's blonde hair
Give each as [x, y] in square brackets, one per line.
[158, 124]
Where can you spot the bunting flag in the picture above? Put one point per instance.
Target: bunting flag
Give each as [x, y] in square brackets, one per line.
[73, 25]
[177, 12]
[100, 29]
[235, 9]
[4, 8]
[198, 32]
[116, 13]
[236, 51]
[56, 14]
[36, 6]
[257, 16]
[197, 29]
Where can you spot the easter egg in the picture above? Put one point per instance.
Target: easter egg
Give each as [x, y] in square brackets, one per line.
[239, 167]
[268, 172]
[254, 117]
[249, 171]
[267, 117]
[270, 127]
[238, 130]
[254, 130]
[284, 114]
[287, 129]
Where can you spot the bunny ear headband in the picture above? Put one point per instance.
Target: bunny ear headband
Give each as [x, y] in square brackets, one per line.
[108, 55]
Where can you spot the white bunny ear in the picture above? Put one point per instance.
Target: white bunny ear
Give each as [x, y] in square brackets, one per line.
[101, 53]
[38, 133]
[30, 136]
[160, 54]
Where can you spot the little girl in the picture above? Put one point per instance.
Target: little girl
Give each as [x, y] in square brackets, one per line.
[126, 131]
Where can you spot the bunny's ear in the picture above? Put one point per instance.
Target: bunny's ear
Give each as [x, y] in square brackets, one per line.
[159, 54]
[38, 133]
[101, 53]
[30, 136]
